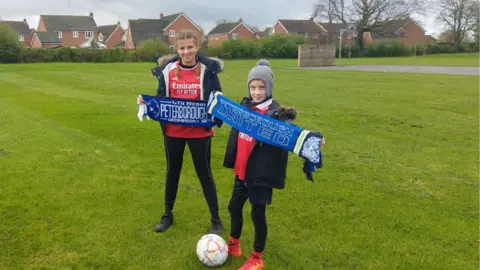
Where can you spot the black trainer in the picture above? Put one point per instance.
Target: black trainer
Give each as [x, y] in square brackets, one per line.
[167, 221]
[216, 227]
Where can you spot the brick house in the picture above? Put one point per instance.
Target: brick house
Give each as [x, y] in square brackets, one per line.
[46, 40]
[166, 27]
[23, 31]
[71, 30]
[230, 30]
[431, 39]
[111, 35]
[309, 28]
[406, 31]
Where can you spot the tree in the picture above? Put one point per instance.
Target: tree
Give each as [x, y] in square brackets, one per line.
[366, 13]
[149, 49]
[449, 37]
[325, 9]
[11, 50]
[459, 16]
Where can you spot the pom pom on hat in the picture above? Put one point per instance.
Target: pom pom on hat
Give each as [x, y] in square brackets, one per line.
[263, 62]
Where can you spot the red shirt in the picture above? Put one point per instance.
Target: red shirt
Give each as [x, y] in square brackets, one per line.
[245, 144]
[185, 87]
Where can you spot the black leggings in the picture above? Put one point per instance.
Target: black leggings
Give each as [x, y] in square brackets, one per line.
[258, 217]
[201, 152]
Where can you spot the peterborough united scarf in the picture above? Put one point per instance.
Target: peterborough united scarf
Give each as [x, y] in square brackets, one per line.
[175, 111]
[303, 143]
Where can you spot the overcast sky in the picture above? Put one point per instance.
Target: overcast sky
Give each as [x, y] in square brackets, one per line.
[259, 13]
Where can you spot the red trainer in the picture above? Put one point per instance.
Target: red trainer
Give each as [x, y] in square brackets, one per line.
[254, 263]
[234, 247]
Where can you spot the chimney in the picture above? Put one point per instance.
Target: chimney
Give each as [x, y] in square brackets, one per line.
[24, 20]
[118, 23]
[91, 14]
[161, 15]
[240, 20]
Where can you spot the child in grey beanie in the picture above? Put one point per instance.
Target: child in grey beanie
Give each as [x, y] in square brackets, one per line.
[266, 168]
[262, 71]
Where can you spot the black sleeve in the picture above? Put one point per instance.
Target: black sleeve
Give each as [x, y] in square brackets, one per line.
[231, 150]
[216, 83]
[157, 72]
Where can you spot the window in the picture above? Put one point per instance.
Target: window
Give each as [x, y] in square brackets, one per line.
[75, 34]
[89, 34]
[100, 37]
[315, 35]
[172, 49]
[172, 33]
[234, 36]
[21, 38]
[59, 34]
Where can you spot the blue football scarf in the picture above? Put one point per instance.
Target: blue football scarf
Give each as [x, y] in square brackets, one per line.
[303, 143]
[175, 111]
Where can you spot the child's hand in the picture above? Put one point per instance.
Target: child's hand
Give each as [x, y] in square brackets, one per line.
[322, 142]
[140, 100]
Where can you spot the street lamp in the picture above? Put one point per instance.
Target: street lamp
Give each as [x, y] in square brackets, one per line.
[340, 48]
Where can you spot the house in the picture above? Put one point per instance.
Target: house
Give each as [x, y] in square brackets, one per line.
[23, 31]
[308, 28]
[46, 40]
[111, 35]
[166, 27]
[71, 30]
[333, 33]
[230, 30]
[263, 33]
[406, 31]
[431, 39]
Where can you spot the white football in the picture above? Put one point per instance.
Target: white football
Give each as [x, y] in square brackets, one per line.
[212, 250]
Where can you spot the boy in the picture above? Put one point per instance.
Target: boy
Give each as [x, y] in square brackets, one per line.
[258, 167]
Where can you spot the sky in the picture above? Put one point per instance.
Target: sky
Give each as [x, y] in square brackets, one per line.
[205, 13]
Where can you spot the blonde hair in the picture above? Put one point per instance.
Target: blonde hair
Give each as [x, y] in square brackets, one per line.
[184, 35]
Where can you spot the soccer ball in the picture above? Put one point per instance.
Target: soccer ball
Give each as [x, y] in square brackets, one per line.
[212, 250]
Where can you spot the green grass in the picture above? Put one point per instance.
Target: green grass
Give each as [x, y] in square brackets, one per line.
[464, 59]
[82, 180]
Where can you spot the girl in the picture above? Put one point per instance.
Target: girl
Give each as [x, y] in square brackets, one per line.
[200, 74]
[258, 167]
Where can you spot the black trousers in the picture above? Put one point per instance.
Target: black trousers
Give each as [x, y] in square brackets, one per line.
[201, 154]
[259, 198]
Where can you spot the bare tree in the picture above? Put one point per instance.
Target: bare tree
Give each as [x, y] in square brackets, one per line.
[366, 13]
[459, 16]
[325, 9]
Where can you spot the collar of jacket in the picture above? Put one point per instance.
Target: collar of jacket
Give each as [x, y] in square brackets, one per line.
[209, 63]
[272, 109]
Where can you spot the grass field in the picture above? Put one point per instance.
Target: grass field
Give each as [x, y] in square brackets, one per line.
[465, 59]
[82, 180]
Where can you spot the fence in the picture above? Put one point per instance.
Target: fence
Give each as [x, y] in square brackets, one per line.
[311, 55]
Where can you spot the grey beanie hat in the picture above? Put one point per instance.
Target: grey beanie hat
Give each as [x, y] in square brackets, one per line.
[262, 71]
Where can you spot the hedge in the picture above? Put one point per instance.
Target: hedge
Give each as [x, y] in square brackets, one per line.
[275, 46]
[397, 49]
